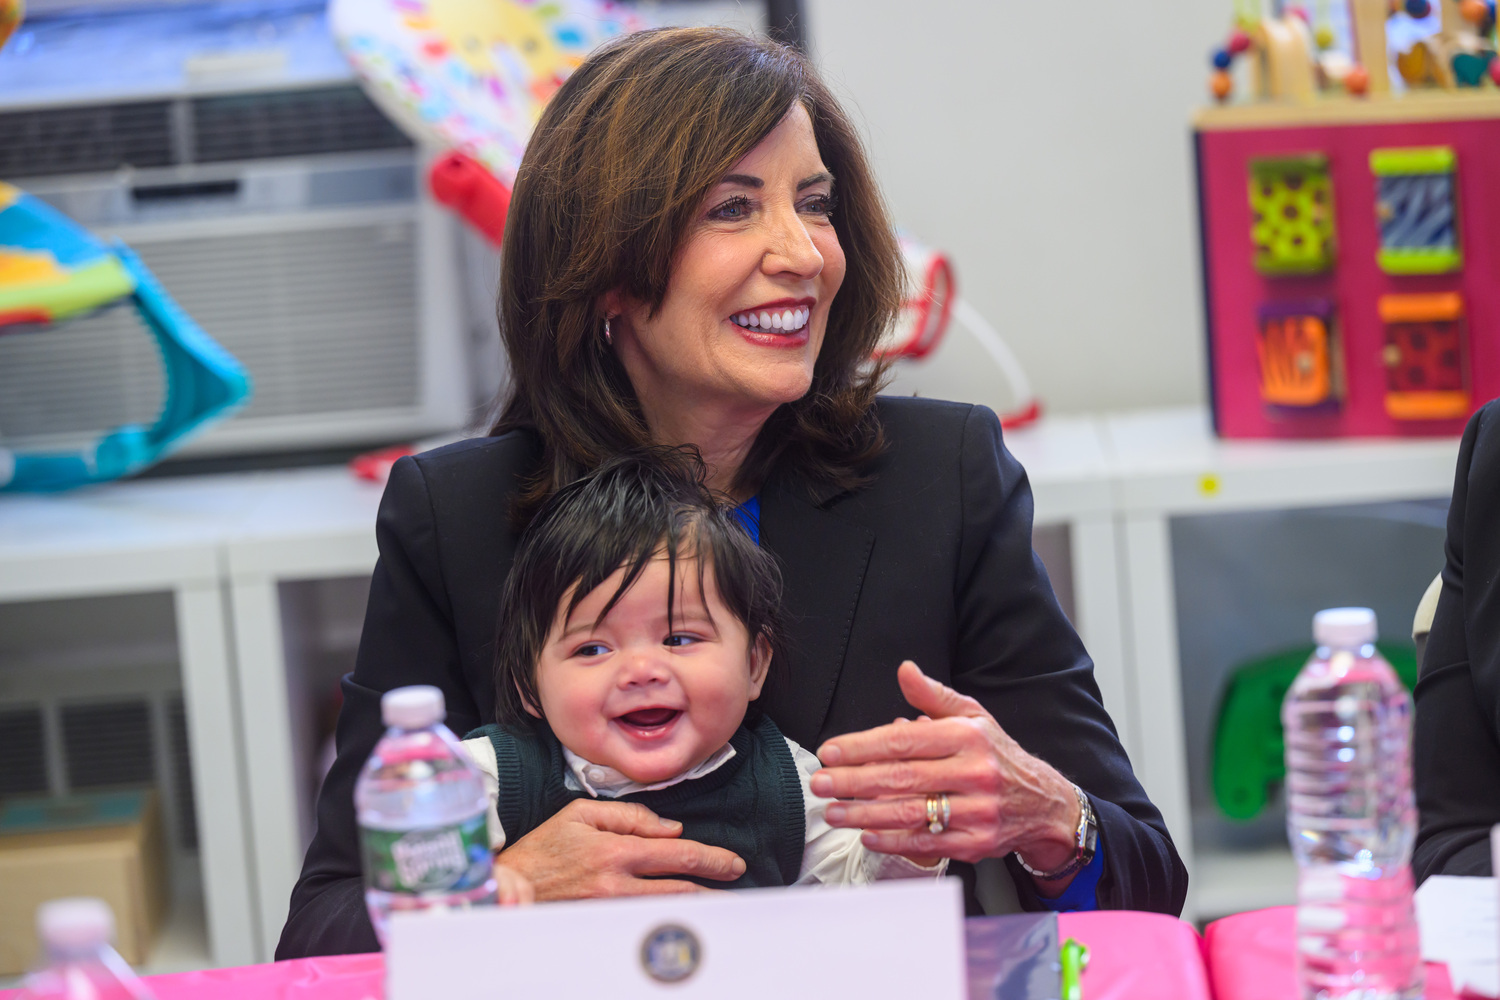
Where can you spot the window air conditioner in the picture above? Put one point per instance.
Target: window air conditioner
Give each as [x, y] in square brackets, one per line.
[273, 201]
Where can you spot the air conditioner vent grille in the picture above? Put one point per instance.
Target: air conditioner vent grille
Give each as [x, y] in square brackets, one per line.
[101, 138]
[325, 321]
[92, 139]
[290, 123]
[23, 749]
[108, 744]
[88, 376]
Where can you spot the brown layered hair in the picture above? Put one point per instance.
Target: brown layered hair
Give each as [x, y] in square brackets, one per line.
[615, 173]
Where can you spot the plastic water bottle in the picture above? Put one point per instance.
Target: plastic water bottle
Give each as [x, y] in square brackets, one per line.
[80, 964]
[421, 807]
[1351, 817]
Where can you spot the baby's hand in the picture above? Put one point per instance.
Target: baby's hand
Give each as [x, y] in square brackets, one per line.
[515, 889]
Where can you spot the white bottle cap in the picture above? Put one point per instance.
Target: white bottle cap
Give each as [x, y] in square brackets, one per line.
[1344, 628]
[415, 707]
[75, 923]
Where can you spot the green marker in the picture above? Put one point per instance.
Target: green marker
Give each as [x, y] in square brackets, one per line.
[1074, 958]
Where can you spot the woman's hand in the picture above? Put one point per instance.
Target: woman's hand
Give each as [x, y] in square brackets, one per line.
[595, 848]
[1002, 799]
[515, 889]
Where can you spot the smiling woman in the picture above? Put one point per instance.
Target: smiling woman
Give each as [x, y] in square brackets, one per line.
[681, 182]
[761, 261]
[697, 255]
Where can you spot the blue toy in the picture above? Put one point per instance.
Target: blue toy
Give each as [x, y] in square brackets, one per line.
[51, 268]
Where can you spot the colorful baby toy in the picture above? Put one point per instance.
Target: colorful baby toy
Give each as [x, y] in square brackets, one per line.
[1349, 230]
[471, 78]
[1290, 59]
[51, 270]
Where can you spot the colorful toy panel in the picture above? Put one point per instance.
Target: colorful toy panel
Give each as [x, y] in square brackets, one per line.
[1299, 358]
[1388, 110]
[1375, 359]
[1426, 356]
[1416, 206]
[1291, 211]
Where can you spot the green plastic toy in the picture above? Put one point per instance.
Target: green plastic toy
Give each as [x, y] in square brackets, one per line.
[1249, 750]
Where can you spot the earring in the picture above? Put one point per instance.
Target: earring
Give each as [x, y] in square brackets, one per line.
[607, 338]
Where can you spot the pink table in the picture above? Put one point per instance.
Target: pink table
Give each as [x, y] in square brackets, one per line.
[1250, 957]
[1133, 955]
[1137, 955]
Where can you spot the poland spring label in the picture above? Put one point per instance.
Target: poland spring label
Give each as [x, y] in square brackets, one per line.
[442, 859]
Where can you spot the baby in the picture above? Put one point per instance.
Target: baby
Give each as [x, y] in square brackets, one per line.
[637, 625]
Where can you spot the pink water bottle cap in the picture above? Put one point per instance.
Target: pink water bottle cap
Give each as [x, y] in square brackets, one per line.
[1344, 628]
[415, 707]
[75, 923]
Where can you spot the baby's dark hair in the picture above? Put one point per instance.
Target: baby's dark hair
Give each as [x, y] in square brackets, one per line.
[622, 514]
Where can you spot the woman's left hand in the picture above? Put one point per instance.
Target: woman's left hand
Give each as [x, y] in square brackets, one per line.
[1001, 798]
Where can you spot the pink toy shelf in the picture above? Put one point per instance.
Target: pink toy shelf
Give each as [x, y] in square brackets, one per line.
[1351, 264]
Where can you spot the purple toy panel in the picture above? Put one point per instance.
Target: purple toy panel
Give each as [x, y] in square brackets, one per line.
[1348, 365]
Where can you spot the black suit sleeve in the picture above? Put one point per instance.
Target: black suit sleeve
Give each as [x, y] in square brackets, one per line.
[1457, 758]
[1020, 657]
[408, 638]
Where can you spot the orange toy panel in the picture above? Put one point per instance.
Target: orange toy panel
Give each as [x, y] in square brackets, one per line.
[1425, 356]
[1298, 353]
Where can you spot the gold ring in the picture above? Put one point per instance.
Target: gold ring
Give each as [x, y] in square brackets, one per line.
[939, 811]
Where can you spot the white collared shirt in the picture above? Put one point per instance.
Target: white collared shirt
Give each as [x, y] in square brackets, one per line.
[602, 782]
[830, 855]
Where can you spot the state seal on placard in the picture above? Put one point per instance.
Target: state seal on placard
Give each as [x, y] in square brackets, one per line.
[671, 953]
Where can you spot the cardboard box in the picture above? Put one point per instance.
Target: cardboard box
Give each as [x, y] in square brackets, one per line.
[108, 845]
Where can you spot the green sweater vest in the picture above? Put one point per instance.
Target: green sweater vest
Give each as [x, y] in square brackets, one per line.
[751, 805]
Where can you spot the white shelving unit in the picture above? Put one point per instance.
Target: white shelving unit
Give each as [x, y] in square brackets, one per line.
[1167, 464]
[305, 525]
[1067, 464]
[153, 537]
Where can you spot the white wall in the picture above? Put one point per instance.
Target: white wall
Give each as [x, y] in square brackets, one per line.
[1046, 146]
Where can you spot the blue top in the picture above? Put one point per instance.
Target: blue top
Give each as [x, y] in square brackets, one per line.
[1083, 892]
[749, 515]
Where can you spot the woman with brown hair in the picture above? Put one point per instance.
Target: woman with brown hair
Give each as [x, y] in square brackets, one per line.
[696, 253]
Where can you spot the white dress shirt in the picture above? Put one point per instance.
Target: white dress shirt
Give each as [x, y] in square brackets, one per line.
[831, 855]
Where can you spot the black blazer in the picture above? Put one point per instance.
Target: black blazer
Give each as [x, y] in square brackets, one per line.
[931, 562]
[1457, 755]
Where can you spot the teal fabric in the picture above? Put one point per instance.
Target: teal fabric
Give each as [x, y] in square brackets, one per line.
[751, 805]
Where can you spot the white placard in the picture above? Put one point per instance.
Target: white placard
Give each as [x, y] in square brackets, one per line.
[1458, 920]
[893, 939]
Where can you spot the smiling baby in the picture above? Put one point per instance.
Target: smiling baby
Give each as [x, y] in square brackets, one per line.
[637, 626]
